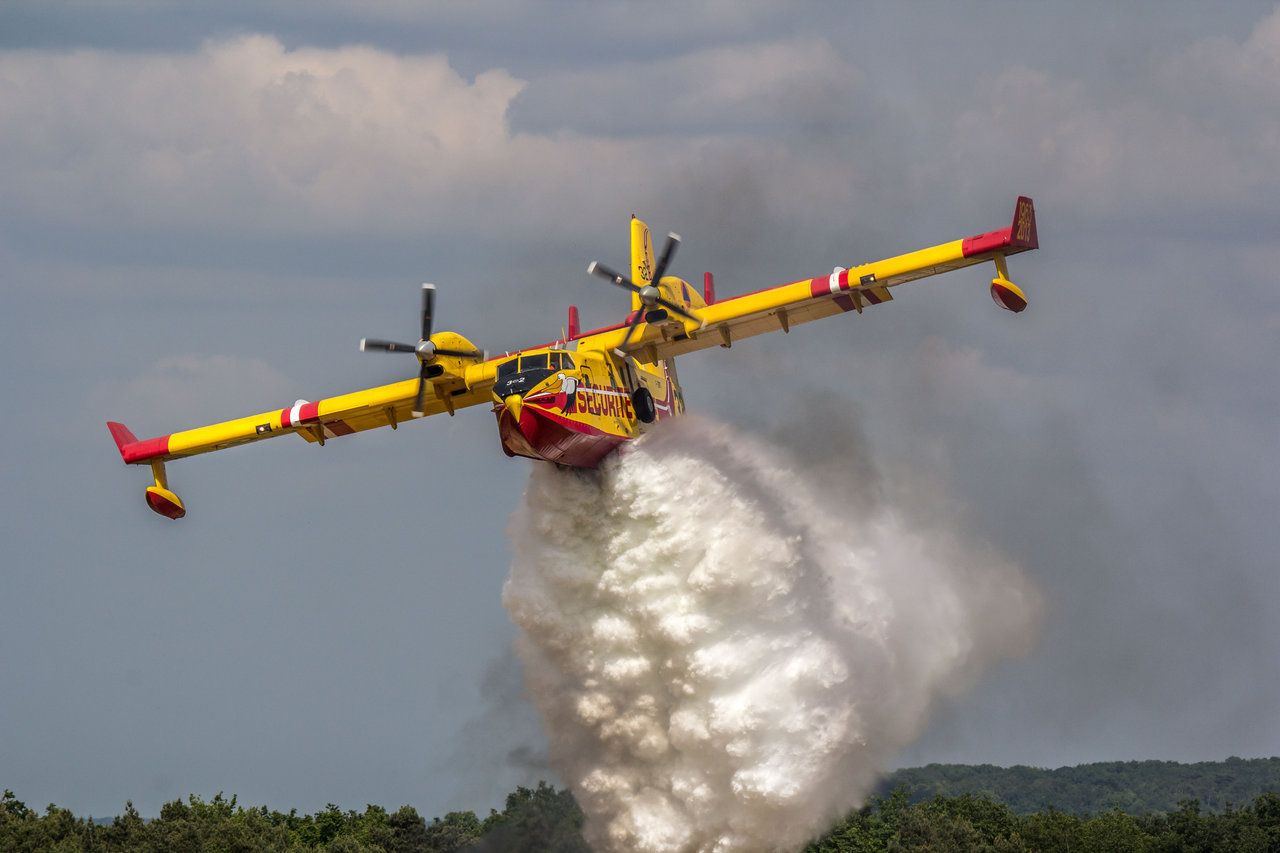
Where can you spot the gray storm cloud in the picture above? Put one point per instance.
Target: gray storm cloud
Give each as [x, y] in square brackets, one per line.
[724, 656]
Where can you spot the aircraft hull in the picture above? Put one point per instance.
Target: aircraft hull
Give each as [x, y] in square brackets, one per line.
[540, 434]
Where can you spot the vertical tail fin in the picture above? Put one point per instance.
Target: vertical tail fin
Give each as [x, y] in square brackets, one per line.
[641, 258]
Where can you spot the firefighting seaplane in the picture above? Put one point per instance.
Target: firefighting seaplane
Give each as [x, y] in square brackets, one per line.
[576, 400]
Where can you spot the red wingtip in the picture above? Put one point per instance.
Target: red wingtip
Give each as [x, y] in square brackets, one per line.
[135, 452]
[1018, 237]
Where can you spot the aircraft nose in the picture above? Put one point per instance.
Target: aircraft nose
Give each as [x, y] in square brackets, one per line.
[514, 404]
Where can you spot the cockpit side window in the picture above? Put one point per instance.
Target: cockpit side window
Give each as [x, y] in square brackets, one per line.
[560, 360]
[507, 369]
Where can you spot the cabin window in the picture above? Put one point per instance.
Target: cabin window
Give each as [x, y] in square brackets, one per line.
[534, 362]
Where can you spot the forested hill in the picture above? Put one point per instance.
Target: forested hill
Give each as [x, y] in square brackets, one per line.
[1135, 787]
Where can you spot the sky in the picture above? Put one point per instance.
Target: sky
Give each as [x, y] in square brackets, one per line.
[204, 208]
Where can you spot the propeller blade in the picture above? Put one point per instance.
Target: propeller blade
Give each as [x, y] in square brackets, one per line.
[380, 345]
[420, 401]
[613, 276]
[428, 307]
[673, 240]
[639, 318]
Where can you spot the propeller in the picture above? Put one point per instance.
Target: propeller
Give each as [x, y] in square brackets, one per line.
[650, 295]
[424, 349]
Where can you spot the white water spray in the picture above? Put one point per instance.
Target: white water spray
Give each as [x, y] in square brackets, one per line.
[725, 658]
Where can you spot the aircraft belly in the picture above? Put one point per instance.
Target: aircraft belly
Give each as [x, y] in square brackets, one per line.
[540, 435]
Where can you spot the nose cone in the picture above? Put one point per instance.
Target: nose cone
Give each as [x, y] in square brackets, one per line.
[514, 404]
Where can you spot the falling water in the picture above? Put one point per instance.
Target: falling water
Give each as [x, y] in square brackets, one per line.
[724, 653]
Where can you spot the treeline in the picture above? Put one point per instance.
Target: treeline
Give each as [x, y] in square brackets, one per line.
[1134, 787]
[547, 820]
[534, 820]
[971, 823]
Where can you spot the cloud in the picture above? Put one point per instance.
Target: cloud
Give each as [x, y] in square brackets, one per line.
[247, 139]
[770, 89]
[1194, 131]
[246, 134]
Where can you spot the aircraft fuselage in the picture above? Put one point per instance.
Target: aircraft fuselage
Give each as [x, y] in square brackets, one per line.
[574, 408]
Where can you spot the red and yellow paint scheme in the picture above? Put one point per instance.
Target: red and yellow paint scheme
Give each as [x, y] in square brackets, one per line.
[576, 400]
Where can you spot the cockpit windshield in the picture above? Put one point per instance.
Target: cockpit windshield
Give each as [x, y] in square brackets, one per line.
[519, 375]
[533, 362]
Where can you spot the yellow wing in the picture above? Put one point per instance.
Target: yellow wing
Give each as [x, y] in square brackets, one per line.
[843, 290]
[387, 405]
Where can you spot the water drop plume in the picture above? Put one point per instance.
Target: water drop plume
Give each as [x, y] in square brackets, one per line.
[724, 654]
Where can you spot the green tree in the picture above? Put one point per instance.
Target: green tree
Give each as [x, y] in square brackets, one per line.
[541, 820]
[402, 831]
[869, 829]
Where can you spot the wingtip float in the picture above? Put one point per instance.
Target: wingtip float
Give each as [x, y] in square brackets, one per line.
[575, 400]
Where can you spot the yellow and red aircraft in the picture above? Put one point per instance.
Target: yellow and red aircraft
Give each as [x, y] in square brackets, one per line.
[575, 400]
